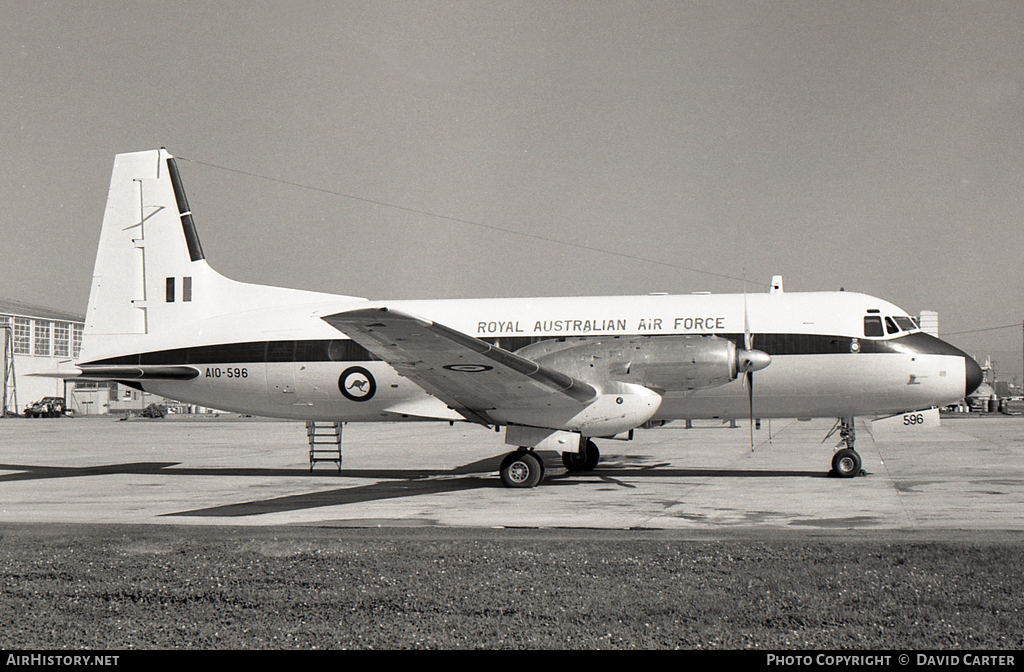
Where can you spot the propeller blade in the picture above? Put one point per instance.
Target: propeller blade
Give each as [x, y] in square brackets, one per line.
[750, 360]
[746, 318]
[750, 402]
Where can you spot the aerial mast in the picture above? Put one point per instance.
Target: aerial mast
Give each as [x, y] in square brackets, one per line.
[10, 398]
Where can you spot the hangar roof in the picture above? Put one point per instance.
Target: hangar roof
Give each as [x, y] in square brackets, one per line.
[12, 307]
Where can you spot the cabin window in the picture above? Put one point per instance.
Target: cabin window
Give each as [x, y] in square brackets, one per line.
[186, 288]
[310, 351]
[281, 351]
[169, 295]
[347, 351]
[873, 326]
[890, 326]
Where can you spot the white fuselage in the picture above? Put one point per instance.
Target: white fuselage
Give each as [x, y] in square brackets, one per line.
[877, 375]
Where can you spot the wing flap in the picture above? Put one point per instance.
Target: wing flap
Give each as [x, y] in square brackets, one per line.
[428, 407]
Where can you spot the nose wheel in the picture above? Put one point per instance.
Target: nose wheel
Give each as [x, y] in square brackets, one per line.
[846, 463]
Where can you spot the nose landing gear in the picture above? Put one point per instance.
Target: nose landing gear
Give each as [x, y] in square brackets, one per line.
[846, 462]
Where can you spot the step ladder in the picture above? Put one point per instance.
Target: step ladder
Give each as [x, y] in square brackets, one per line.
[324, 442]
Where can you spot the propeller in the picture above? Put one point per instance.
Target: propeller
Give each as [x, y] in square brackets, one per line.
[750, 360]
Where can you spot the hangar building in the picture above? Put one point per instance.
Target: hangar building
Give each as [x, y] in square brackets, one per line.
[35, 339]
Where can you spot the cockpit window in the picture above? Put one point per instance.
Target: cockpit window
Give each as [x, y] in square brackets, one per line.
[873, 326]
[906, 324]
[890, 326]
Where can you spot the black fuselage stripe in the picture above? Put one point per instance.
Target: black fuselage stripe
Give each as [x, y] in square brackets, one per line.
[343, 350]
[781, 344]
[337, 350]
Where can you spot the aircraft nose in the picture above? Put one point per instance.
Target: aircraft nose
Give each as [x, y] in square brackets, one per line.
[973, 376]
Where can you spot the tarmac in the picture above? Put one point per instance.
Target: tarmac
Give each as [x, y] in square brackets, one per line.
[965, 476]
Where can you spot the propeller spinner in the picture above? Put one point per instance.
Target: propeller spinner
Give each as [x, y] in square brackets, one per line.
[752, 360]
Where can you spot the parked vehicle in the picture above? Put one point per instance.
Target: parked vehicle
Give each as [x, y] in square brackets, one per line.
[154, 411]
[47, 407]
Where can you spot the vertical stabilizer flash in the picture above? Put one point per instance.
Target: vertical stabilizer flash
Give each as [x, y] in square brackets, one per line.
[195, 249]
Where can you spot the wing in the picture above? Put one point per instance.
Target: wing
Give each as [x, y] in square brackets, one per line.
[471, 376]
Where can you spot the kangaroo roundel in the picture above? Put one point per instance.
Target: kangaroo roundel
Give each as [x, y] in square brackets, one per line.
[357, 384]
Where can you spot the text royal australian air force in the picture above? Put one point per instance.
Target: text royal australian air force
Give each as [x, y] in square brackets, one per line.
[583, 316]
[602, 325]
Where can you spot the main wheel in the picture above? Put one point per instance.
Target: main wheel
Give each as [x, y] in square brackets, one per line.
[521, 469]
[846, 463]
[585, 460]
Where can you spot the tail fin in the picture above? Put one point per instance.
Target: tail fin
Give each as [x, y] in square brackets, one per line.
[151, 285]
[150, 269]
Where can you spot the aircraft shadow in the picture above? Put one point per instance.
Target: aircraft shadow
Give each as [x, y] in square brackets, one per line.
[31, 472]
[28, 472]
[475, 476]
[388, 483]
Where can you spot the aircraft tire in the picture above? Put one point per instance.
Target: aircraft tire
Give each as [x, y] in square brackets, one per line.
[585, 460]
[521, 469]
[846, 463]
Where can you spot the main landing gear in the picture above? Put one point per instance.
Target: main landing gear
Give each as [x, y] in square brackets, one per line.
[585, 460]
[846, 462]
[525, 469]
[521, 469]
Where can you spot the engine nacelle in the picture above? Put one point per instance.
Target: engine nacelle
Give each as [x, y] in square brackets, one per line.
[617, 408]
[665, 363]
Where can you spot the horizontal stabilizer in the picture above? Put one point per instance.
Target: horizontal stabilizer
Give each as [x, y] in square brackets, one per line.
[125, 373]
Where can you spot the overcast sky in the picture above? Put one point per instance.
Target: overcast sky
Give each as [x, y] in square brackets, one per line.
[876, 146]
